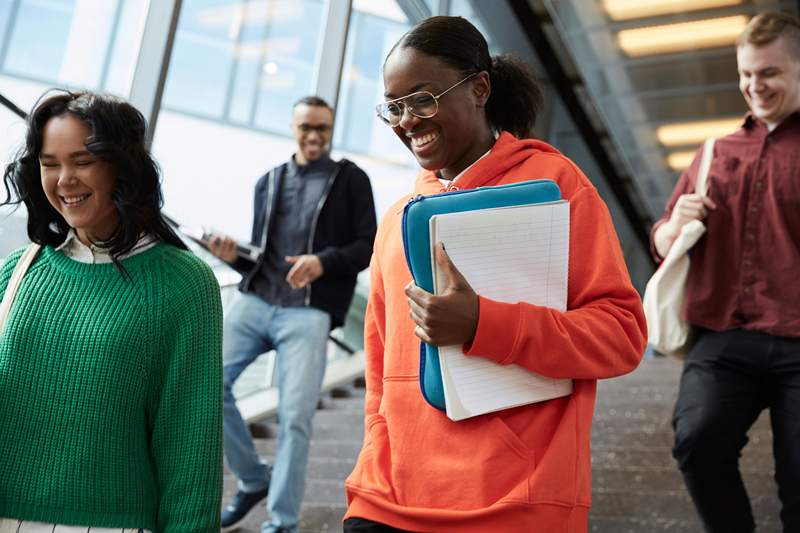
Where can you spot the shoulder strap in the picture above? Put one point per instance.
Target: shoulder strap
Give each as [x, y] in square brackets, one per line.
[16, 278]
[701, 187]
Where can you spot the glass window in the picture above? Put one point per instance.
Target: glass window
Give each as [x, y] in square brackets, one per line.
[91, 44]
[289, 49]
[5, 20]
[202, 57]
[374, 28]
[27, 54]
[245, 62]
[70, 42]
[236, 69]
[125, 52]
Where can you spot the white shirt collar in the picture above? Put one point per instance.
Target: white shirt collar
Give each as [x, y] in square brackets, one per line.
[448, 183]
[73, 248]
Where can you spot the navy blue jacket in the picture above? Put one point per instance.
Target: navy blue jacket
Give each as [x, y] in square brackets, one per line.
[342, 234]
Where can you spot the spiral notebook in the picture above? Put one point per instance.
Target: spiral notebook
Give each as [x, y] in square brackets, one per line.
[507, 254]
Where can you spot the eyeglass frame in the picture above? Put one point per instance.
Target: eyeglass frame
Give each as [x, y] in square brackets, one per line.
[322, 129]
[410, 109]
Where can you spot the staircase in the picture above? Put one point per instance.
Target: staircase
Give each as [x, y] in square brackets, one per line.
[637, 487]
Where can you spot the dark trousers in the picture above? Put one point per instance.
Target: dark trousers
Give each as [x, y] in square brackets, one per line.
[727, 380]
[362, 525]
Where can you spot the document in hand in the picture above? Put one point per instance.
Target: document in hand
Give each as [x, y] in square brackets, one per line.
[243, 250]
[509, 254]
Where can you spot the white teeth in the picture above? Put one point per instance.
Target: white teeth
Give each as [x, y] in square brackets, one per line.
[74, 199]
[422, 140]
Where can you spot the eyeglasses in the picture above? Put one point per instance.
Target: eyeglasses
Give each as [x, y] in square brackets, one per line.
[320, 128]
[421, 104]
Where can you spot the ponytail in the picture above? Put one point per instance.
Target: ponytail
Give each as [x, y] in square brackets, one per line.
[516, 97]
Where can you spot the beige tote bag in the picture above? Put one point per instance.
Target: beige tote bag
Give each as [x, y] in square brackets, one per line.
[667, 329]
[16, 278]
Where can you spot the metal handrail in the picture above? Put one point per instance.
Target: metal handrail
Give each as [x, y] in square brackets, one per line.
[11, 106]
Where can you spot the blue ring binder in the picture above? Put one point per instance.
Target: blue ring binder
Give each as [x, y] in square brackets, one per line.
[417, 246]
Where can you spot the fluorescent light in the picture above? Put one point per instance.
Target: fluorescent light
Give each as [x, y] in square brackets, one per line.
[686, 133]
[683, 36]
[680, 160]
[631, 9]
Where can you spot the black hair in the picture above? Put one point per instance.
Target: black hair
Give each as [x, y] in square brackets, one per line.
[516, 96]
[117, 136]
[313, 101]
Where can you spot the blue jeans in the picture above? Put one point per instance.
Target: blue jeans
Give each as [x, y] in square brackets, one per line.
[299, 336]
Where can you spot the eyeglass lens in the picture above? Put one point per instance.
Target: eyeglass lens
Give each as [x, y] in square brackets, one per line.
[319, 128]
[421, 105]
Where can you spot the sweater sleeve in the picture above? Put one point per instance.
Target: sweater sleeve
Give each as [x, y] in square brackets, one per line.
[186, 404]
[602, 333]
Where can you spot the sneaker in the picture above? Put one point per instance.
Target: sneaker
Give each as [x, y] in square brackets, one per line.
[235, 513]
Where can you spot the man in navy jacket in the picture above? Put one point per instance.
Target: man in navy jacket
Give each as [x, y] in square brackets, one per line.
[314, 221]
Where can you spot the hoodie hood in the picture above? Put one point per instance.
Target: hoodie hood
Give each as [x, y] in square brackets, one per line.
[507, 153]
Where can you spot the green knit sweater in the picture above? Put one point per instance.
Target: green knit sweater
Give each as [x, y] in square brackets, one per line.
[111, 393]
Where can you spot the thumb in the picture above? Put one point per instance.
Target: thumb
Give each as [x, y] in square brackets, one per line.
[292, 258]
[451, 273]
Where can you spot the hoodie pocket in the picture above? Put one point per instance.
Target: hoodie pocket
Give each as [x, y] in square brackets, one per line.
[374, 466]
[466, 465]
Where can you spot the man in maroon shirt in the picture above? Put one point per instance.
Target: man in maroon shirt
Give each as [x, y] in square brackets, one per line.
[743, 292]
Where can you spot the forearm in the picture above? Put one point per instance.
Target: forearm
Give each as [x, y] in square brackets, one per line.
[603, 340]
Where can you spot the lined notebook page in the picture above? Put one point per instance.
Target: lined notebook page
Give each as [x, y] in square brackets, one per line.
[509, 254]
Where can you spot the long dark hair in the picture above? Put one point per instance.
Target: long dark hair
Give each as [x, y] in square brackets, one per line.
[117, 136]
[516, 96]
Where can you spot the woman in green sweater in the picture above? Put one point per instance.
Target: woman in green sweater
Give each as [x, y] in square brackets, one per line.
[110, 365]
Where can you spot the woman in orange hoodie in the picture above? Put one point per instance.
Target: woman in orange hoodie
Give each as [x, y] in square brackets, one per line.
[465, 116]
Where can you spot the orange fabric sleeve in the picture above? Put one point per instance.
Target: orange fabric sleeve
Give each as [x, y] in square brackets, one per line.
[602, 332]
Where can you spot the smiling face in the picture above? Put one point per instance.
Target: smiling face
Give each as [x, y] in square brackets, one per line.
[458, 134]
[769, 78]
[312, 126]
[77, 184]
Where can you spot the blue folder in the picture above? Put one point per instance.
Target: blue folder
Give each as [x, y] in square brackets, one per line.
[417, 245]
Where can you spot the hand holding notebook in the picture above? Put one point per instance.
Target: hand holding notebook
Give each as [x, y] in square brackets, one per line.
[508, 254]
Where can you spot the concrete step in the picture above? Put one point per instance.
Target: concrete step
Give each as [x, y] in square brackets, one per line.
[636, 485]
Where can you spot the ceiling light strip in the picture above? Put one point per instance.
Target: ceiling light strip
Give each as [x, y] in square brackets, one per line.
[631, 9]
[707, 33]
[688, 133]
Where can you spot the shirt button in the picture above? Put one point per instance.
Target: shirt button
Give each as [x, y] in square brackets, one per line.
[748, 290]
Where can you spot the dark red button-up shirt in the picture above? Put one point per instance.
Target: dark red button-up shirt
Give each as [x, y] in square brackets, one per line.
[745, 271]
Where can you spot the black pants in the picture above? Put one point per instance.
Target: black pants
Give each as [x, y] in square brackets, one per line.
[362, 525]
[728, 379]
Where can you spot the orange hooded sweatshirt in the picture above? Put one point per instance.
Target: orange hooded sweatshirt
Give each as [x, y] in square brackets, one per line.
[525, 469]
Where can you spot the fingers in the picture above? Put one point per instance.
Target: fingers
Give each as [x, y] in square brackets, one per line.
[708, 202]
[422, 334]
[691, 207]
[306, 269]
[295, 277]
[223, 247]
